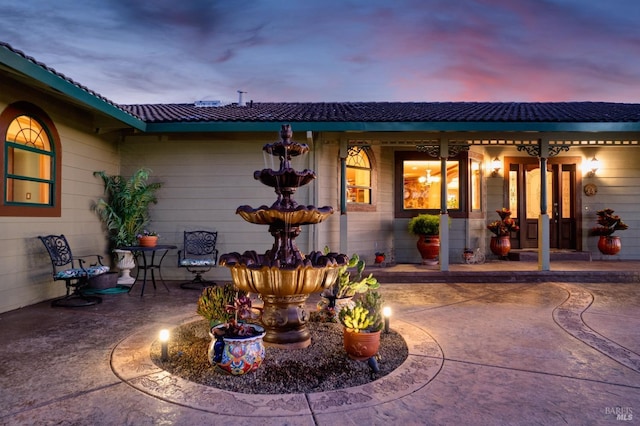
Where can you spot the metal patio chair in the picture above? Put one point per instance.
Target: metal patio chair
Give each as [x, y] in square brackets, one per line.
[198, 256]
[74, 271]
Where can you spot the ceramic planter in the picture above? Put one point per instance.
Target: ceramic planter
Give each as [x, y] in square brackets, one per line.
[330, 302]
[237, 355]
[429, 248]
[500, 246]
[361, 346]
[125, 263]
[609, 245]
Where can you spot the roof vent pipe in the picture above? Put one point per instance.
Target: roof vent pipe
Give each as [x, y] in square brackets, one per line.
[240, 101]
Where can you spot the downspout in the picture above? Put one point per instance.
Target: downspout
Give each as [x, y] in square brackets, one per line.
[444, 214]
[313, 192]
[344, 151]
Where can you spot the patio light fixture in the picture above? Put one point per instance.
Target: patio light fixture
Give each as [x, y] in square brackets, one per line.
[594, 165]
[496, 165]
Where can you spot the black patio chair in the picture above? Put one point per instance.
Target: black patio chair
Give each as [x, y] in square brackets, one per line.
[198, 256]
[74, 271]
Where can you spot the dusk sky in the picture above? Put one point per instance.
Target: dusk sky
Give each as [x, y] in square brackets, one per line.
[166, 51]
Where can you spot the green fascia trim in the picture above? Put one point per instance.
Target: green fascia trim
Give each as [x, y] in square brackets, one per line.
[323, 126]
[55, 82]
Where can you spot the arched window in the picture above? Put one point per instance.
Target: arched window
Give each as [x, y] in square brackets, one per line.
[29, 162]
[358, 175]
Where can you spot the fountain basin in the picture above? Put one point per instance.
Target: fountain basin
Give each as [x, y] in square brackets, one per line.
[284, 293]
[283, 282]
[301, 215]
[287, 178]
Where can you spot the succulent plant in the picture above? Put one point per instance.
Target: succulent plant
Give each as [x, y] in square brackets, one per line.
[366, 315]
[348, 286]
[226, 305]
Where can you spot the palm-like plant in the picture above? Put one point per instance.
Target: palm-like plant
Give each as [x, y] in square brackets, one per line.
[125, 208]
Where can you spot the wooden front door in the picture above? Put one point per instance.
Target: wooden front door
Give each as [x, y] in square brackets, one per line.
[524, 193]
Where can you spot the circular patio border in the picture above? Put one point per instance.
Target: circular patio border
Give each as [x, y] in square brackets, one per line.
[131, 362]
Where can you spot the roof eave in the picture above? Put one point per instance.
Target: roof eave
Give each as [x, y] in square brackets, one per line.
[417, 126]
[55, 82]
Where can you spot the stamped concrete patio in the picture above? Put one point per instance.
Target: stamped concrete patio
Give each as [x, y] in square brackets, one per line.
[540, 351]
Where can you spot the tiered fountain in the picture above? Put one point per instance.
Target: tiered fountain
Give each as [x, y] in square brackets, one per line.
[283, 276]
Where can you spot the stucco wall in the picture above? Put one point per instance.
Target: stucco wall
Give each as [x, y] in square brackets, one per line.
[206, 177]
[25, 268]
[618, 182]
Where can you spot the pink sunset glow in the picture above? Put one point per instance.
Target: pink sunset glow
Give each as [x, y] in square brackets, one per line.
[337, 50]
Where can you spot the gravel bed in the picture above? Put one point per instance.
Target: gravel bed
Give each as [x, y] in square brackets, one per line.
[322, 366]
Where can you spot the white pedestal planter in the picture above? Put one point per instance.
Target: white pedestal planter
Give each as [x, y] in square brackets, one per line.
[126, 262]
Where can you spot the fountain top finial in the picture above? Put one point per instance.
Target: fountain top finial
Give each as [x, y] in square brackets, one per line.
[286, 133]
[285, 148]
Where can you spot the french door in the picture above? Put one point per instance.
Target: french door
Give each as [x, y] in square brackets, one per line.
[524, 200]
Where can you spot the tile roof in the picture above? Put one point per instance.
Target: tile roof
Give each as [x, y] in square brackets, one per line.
[554, 112]
[371, 112]
[59, 74]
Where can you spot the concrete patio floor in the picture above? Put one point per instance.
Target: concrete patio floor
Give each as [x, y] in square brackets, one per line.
[548, 351]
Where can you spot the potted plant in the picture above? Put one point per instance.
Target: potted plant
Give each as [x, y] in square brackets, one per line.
[502, 229]
[125, 211]
[362, 324]
[236, 344]
[427, 228]
[148, 238]
[346, 286]
[379, 259]
[608, 223]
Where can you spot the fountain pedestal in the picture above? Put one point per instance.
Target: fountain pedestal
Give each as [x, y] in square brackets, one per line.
[284, 319]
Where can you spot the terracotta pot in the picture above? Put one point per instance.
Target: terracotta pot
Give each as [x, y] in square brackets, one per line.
[237, 355]
[429, 248]
[148, 241]
[500, 245]
[609, 245]
[361, 346]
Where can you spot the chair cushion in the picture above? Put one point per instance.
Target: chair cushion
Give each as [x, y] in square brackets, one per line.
[91, 271]
[197, 262]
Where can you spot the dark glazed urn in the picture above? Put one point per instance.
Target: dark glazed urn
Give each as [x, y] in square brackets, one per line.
[429, 248]
[500, 246]
[609, 245]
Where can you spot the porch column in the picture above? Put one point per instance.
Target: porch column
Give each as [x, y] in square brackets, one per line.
[544, 238]
[444, 214]
[344, 152]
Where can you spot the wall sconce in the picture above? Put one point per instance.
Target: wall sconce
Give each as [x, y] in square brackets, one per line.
[386, 313]
[496, 165]
[164, 345]
[594, 165]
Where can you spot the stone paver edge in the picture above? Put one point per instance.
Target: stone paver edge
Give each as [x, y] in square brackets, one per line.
[568, 316]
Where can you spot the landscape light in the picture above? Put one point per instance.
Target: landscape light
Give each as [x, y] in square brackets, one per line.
[386, 313]
[164, 344]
